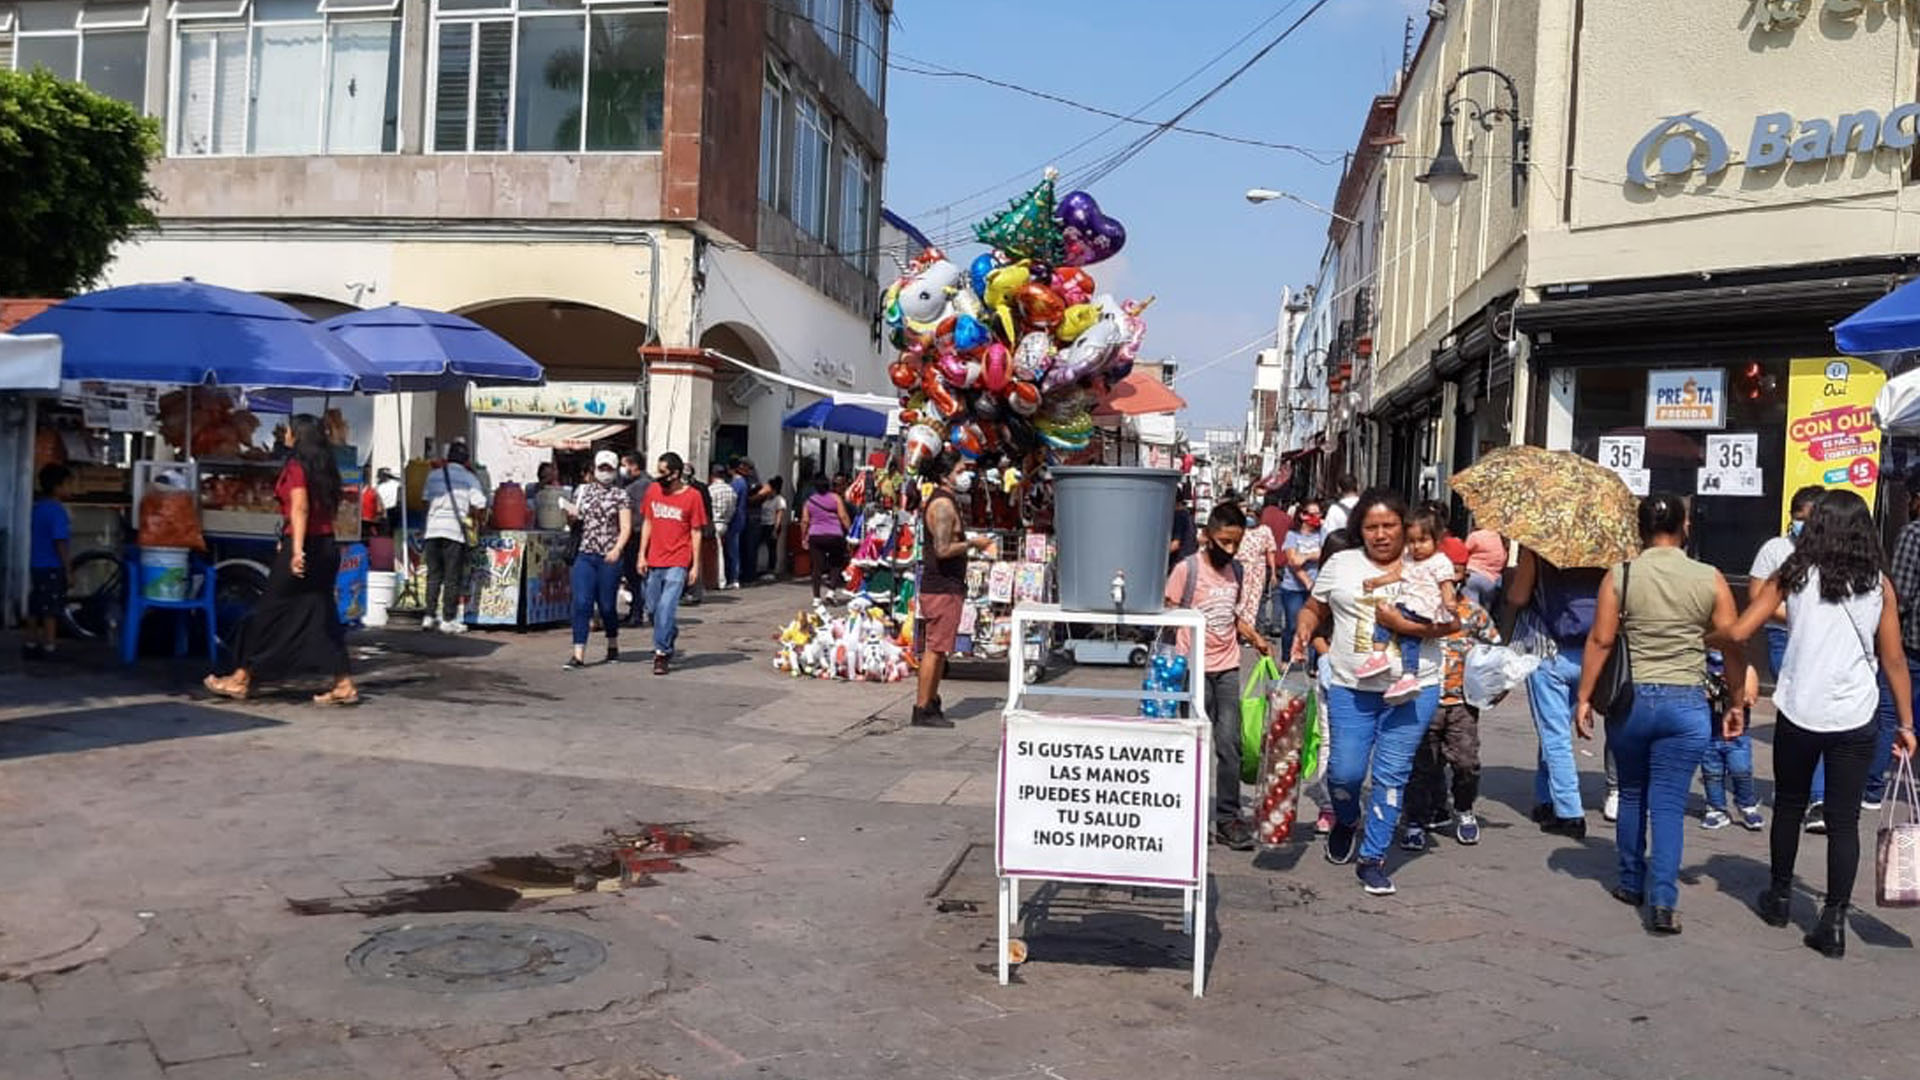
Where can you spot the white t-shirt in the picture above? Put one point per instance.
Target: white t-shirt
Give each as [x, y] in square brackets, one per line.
[1420, 584]
[1337, 513]
[1342, 587]
[771, 508]
[1830, 677]
[1772, 553]
[446, 507]
[389, 492]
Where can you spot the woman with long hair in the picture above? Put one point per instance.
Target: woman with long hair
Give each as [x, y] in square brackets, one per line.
[1371, 738]
[296, 628]
[1666, 605]
[1843, 634]
[824, 521]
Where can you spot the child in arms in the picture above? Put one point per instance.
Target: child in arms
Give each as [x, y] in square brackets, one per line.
[1427, 596]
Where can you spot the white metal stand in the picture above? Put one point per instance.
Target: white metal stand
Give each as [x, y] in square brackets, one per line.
[1194, 898]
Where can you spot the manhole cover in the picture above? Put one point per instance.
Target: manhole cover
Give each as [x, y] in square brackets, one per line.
[475, 958]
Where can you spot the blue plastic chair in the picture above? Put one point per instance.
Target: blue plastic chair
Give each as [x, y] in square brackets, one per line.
[201, 600]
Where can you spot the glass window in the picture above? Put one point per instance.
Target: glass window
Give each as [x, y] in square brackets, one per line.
[825, 16]
[559, 75]
[57, 55]
[867, 47]
[856, 204]
[115, 64]
[103, 45]
[811, 146]
[773, 109]
[289, 77]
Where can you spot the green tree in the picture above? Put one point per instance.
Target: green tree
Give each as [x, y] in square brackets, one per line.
[73, 166]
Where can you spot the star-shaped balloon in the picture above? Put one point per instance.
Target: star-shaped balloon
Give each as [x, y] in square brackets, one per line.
[1027, 228]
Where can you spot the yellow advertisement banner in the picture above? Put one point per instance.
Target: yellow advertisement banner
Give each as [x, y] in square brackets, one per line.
[1832, 440]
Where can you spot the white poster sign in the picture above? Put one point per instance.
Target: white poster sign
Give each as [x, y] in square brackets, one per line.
[1687, 399]
[1733, 466]
[1099, 799]
[1627, 456]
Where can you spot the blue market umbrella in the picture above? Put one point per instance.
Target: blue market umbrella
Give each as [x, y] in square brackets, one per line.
[184, 333]
[420, 349]
[1889, 324]
[825, 415]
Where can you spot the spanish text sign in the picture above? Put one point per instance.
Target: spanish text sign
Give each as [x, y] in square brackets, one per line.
[1832, 439]
[1102, 799]
[1687, 399]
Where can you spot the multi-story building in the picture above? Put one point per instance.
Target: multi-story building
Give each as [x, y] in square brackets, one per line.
[626, 189]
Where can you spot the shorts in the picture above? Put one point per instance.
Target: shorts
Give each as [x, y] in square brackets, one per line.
[47, 592]
[941, 614]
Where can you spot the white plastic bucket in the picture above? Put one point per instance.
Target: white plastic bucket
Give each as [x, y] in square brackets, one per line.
[380, 589]
[163, 573]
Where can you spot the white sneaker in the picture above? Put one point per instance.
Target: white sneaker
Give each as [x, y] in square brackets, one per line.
[428, 622]
[449, 626]
[1715, 819]
[1611, 808]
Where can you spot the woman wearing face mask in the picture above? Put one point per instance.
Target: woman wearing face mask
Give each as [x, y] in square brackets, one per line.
[1299, 559]
[606, 520]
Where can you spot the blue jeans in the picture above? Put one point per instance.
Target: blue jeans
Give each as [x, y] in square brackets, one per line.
[1483, 589]
[1286, 611]
[729, 535]
[1409, 646]
[596, 581]
[1372, 739]
[1728, 761]
[1889, 724]
[1658, 746]
[664, 586]
[1550, 694]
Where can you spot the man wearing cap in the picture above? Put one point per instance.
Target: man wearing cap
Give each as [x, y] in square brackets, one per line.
[456, 503]
[670, 525]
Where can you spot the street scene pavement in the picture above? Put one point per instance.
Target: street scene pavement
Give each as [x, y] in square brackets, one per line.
[201, 891]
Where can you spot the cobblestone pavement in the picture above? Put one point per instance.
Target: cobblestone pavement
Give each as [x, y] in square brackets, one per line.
[150, 842]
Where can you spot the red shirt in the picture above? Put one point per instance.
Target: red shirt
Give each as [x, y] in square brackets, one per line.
[676, 518]
[1276, 521]
[292, 476]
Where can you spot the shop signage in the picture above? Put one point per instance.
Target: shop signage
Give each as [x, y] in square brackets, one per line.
[564, 401]
[1787, 14]
[1687, 399]
[1101, 799]
[1733, 466]
[1627, 456]
[1683, 144]
[1832, 439]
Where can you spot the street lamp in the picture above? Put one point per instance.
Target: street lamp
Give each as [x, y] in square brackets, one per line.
[1448, 174]
[1260, 195]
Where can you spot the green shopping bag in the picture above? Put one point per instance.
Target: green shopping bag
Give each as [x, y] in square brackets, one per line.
[1253, 717]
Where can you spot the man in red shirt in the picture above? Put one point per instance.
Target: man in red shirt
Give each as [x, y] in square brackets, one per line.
[672, 515]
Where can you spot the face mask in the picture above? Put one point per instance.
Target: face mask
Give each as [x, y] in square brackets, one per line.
[605, 476]
[1311, 521]
[1793, 530]
[1218, 556]
[963, 483]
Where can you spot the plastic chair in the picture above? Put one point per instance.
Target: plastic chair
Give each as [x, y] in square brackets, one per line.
[200, 569]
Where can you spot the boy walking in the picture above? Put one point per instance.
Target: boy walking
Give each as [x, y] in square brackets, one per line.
[1453, 739]
[671, 520]
[1729, 761]
[47, 569]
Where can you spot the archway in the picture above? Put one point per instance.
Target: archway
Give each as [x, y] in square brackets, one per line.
[746, 409]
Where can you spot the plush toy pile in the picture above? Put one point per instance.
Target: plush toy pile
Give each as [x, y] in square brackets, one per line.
[860, 646]
[1012, 353]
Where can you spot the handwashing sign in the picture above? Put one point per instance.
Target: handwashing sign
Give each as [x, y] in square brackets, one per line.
[1832, 439]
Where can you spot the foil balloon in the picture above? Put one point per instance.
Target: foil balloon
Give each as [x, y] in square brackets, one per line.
[1023, 398]
[1089, 234]
[939, 397]
[980, 267]
[1027, 228]
[996, 368]
[1077, 320]
[1033, 356]
[1002, 283]
[1074, 285]
[986, 408]
[969, 334]
[923, 442]
[1040, 307]
[904, 374]
[969, 439]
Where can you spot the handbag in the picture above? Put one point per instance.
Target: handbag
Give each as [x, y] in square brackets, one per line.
[1613, 693]
[1896, 861]
[469, 532]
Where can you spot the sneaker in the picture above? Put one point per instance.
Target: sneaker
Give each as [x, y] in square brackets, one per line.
[1542, 813]
[1751, 819]
[659, 663]
[1374, 664]
[573, 663]
[934, 718]
[1440, 819]
[1414, 839]
[1715, 819]
[428, 622]
[1467, 828]
[1341, 843]
[1573, 828]
[1323, 824]
[1235, 835]
[1373, 878]
[1611, 808]
[613, 654]
[1816, 822]
[1404, 688]
[1868, 802]
[450, 626]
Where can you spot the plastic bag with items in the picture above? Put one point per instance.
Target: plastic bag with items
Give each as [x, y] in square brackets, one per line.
[1492, 671]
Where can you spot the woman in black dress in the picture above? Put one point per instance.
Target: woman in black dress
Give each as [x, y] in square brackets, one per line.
[296, 628]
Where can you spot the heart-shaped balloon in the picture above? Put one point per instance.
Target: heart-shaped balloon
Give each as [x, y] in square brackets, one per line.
[980, 267]
[1091, 235]
[904, 375]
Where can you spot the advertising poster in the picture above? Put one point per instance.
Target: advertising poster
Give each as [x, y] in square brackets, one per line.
[494, 597]
[1832, 439]
[549, 580]
[1687, 399]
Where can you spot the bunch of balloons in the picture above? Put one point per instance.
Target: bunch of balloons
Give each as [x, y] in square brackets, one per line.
[1011, 353]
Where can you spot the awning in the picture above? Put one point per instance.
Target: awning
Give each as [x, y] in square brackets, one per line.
[29, 362]
[572, 435]
[828, 415]
[1139, 394]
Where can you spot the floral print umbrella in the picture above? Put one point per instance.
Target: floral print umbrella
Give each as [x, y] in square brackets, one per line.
[1570, 511]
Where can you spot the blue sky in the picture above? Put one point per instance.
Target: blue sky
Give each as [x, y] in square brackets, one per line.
[1215, 262]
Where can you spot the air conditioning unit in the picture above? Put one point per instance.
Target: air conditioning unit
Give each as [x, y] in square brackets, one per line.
[746, 388]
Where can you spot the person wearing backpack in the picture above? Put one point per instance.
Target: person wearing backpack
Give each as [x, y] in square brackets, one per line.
[1214, 583]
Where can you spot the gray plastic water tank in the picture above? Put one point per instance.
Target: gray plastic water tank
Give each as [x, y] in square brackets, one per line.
[1112, 519]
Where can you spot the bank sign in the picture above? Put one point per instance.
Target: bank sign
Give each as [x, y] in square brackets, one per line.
[1683, 145]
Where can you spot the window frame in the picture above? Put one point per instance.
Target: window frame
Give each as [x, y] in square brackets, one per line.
[839, 30]
[365, 11]
[812, 113]
[858, 48]
[775, 81]
[511, 13]
[855, 161]
[79, 32]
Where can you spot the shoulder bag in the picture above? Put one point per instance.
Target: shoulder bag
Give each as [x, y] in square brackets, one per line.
[469, 532]
[1613, 693]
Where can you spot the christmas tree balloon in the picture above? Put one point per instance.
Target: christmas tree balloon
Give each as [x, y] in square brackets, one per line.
[1027, 229]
